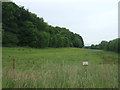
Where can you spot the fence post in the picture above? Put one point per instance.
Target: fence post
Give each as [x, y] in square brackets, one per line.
[14, 62]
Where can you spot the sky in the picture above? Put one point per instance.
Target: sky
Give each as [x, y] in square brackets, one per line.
[94, 20]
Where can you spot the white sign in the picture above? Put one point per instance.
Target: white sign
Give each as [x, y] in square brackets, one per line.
[85, 63]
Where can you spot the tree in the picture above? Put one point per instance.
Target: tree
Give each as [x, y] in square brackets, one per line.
[114, 45]
[43, 39]
[27, 34]
[9, 39]
[103, 45]
[77, 41]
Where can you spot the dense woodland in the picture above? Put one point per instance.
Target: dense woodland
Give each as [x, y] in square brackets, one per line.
[113, 45]
[22, 28]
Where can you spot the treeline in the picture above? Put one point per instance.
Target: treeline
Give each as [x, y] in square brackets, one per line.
[113, 45]
[23, 28]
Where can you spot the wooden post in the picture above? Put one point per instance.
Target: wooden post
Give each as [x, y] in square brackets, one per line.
[14, 61]
[14, 72]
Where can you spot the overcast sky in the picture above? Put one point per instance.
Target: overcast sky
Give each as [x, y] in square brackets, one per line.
[94, 20]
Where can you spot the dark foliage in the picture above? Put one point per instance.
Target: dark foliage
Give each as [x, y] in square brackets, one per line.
[23, 28]
[113, 45]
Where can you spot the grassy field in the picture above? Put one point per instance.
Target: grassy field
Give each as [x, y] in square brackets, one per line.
[59, 68]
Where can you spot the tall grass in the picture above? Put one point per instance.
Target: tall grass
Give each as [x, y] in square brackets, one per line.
[59, 68]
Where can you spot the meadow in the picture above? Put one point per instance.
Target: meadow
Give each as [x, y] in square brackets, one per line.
[59, 68]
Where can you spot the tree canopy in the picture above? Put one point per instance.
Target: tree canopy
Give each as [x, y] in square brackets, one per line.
[112, 45]
[23, 28]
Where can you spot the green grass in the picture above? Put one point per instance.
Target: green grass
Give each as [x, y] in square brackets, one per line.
[59, 68]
